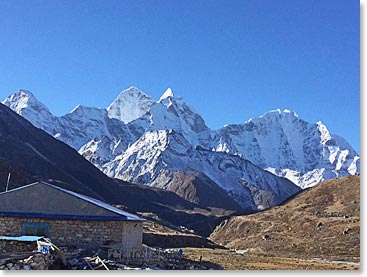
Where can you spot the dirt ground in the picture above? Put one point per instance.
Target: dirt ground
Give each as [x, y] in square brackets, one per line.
[230, 260]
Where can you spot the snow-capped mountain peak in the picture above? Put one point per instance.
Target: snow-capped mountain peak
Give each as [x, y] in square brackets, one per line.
[129, 105]
[171, 112]
[166, 94]
[273, 115]
[24, 103]
[23, 93]
[286, 145]
[22, 100]
[279, 113]
[291, 112]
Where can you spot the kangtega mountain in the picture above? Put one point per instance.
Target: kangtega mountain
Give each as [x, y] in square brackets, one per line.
[258, 164]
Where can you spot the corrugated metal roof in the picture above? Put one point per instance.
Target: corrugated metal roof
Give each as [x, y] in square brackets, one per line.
[121, 213]
[21, 238]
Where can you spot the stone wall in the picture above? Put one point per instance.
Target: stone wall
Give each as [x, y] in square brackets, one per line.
[37, 261]
[87, 234]
[7, 246]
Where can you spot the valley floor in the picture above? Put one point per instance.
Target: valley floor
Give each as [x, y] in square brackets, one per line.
[232, 260]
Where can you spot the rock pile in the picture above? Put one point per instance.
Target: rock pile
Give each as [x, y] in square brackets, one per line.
[36, 261]
[148, 259]
[9, 246]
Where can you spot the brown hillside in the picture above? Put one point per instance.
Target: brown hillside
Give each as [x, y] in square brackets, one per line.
[196, 187]
[321, 222]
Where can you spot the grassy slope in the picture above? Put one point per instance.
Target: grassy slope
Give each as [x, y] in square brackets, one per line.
[321, 222]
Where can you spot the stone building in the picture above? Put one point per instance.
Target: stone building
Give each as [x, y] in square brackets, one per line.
[69, 219]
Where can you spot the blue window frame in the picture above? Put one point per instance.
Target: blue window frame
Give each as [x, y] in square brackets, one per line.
[35, 229]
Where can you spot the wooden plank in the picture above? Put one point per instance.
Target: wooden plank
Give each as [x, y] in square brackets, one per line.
[98, 258]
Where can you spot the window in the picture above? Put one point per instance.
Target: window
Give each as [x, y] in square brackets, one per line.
[35, 229]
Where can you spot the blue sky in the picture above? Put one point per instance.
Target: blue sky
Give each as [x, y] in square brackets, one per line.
[230, 60]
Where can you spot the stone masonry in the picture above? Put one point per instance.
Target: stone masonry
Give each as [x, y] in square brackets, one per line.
[87, 234]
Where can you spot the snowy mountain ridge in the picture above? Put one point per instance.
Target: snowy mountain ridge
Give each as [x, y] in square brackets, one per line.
[141, 140]
[286, 145]
[149, 160]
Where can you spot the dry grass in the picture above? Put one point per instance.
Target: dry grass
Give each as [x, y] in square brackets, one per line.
[322, 222]
[230, 260]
